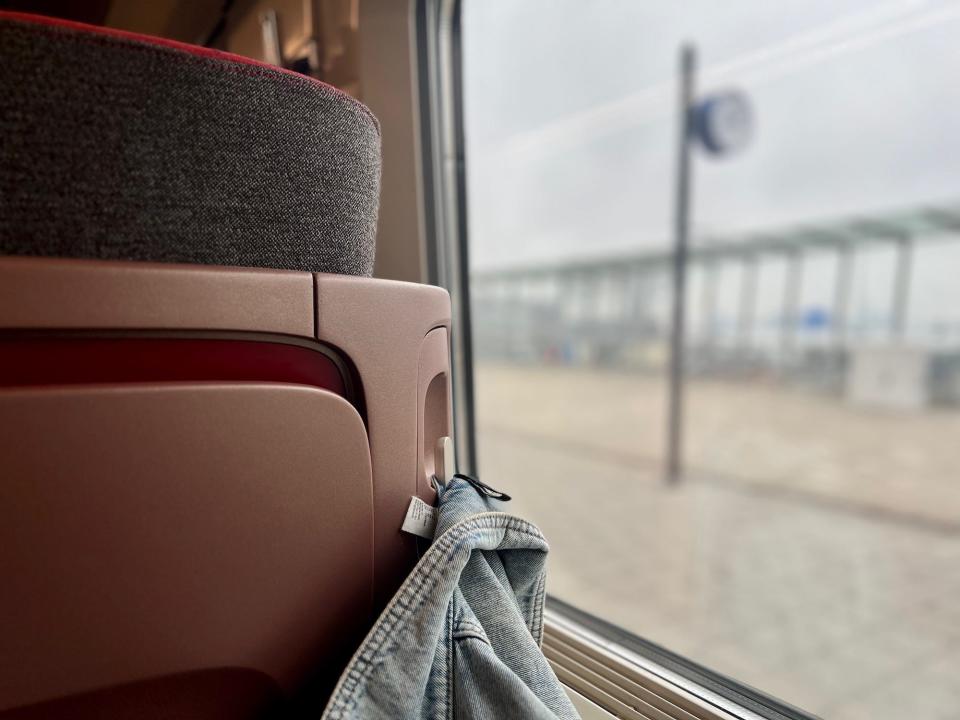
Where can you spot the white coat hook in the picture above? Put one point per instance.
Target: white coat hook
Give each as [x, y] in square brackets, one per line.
[445, 460]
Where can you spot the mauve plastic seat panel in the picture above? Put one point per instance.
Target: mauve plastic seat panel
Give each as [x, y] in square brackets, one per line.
[389, 338]
[383, 326]
[216, 694]
[53, 293]
[155, 531]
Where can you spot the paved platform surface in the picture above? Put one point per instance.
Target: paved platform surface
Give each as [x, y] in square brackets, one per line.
[813, 550]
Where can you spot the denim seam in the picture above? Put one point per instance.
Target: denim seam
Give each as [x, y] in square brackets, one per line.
[469, 629]
[450, 662]
[400, 609]
[536, 624]
[530, 609]
[464, 625]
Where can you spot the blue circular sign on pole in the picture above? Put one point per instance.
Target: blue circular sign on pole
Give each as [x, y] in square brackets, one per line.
[723, 122]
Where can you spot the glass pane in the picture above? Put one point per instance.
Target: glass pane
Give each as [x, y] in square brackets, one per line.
[811, 548]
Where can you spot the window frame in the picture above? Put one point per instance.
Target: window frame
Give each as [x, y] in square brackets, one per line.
[712, 696]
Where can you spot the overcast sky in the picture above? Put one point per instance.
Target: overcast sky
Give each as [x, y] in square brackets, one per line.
[570, 114]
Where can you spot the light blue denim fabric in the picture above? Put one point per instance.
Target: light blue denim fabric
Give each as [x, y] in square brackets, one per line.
[461, 638]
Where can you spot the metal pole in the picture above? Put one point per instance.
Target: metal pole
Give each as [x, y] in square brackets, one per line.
[791, 305]
[709, 302]
[901, 288]
[633, 298]
[688, 62]
[841, 295]
[748, 301]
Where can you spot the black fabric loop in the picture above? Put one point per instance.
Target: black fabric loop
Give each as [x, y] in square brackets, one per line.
[483, 488]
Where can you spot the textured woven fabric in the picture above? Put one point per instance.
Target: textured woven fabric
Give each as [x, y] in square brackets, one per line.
[116, 146]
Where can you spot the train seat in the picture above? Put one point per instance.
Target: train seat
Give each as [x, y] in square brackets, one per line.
[211, 417]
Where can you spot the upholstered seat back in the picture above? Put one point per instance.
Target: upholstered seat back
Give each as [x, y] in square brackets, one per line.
[118, 146]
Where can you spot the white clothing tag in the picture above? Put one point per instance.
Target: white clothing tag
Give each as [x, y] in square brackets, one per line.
[421, 519]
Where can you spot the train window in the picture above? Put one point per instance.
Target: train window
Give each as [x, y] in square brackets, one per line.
[796, 527]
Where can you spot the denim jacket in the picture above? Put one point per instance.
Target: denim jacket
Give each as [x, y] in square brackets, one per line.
[461, 638]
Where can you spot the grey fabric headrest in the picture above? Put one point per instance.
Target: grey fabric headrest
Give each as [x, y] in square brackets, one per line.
[118, 146]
